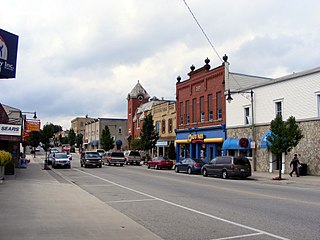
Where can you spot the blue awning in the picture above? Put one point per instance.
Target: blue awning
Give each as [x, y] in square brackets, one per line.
[119, 142]
[94, 143]
[234, 143]
[264, 141]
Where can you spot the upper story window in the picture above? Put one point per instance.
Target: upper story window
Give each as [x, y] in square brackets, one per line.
[170, 125]
[318, 104]
[246, 115]
[120, 130]
[201, 109]
[278, 108]
[219, 105]
[158, 127]
[187, 112]
[194, 113]
[181, 113]
[138, 123]
[163, 126]
[210, 110]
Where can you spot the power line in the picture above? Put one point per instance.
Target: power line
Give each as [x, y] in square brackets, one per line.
[194, 17]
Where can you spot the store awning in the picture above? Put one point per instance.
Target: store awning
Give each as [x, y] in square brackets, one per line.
[264, 142]
[235, 143]
[213, 140]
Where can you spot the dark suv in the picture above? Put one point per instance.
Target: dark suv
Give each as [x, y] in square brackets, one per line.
[228, 166]
[90, 159]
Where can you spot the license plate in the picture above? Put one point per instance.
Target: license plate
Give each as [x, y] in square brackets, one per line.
[241, 170]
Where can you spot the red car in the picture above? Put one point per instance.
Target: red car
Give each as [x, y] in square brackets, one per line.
[160, 163]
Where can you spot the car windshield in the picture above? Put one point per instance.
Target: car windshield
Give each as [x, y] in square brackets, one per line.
[61, 155]
[241, 161]
[135, 154]
[117, 154]
[92, 154]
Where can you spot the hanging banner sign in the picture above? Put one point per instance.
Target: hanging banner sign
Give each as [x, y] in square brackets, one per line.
[8, 54]
[10, 130]
[32, 126]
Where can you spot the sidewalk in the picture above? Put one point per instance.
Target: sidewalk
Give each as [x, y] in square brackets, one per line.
[35, 205]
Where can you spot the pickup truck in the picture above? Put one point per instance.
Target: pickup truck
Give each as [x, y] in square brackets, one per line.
[116, 158]
[132, 157]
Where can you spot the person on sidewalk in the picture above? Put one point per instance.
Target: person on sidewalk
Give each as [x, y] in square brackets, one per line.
[295, 163]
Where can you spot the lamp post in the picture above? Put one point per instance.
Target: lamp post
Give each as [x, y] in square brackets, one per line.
[253, 143]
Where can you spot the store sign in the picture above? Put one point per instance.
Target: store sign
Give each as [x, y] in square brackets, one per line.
[10, 130]
[8, 54]
[196, 136]
[32, 126]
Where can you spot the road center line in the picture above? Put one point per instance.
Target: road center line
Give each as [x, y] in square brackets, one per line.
[186, 208]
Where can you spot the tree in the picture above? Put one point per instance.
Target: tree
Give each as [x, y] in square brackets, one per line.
[34, 141]
[135, 144]
[172, 151]
[79, 140]
[148, 136]
[45, 135]
[106, 140]
[72, 137]
[285, 135]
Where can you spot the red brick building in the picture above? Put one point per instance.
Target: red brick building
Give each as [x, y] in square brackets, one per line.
[201, 112]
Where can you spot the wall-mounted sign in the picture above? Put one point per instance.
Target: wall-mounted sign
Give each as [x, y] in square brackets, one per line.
[10, 130]
[8, 54]
[196, 136]
[32, 126]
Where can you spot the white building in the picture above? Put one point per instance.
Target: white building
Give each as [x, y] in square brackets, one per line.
[296, 95]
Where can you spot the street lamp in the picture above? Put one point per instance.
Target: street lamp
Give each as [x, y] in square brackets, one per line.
[229, 99]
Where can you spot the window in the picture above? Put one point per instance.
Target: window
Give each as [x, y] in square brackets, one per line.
[201, 109]
[247, 119]
[210, 112]
[194, 113]
[318, 103]
[181, 113]
[170, 125]
[138, 123]
[158, 127]
[187, 112]
[120, 130]
[163, 126]
[278, 106]
[219, 105]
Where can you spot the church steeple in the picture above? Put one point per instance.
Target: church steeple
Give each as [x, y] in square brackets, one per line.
[138, 92]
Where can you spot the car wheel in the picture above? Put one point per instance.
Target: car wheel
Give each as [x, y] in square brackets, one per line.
[176, 169]
[121, 164]
[109, 164]
[148, 166]
[189, 170]
[100, 166]
[85, 166]
[224, 174]
[156, 167]
[204, 172]
[81, 164]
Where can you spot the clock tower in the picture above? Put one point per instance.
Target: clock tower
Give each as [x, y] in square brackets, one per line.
[136, 97]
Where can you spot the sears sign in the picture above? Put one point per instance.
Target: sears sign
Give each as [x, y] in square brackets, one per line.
[9, 129]
[8, 54]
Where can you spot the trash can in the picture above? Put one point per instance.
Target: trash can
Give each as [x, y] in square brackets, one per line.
[303, 169]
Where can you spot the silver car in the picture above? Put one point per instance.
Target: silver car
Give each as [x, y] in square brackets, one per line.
[61, 160]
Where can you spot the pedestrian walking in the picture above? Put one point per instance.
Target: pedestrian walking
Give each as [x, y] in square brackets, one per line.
[294, 163]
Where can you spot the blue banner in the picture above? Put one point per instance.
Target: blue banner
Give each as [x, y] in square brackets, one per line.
[8, 54]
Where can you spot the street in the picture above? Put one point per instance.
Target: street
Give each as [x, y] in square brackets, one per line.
[182, 206]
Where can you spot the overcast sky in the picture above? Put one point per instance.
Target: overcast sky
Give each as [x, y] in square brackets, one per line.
[83, 57]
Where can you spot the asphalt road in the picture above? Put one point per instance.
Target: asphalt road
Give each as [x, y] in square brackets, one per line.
[181, 206]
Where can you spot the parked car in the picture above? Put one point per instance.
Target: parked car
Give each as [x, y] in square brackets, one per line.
[189, 165]
[160, 163]
[90, 158]
[101, 152]
[50, 158]
[132, 157]
[66, 148]
[54, 150]
[61, 160]
[116, 158]
[228, 166]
